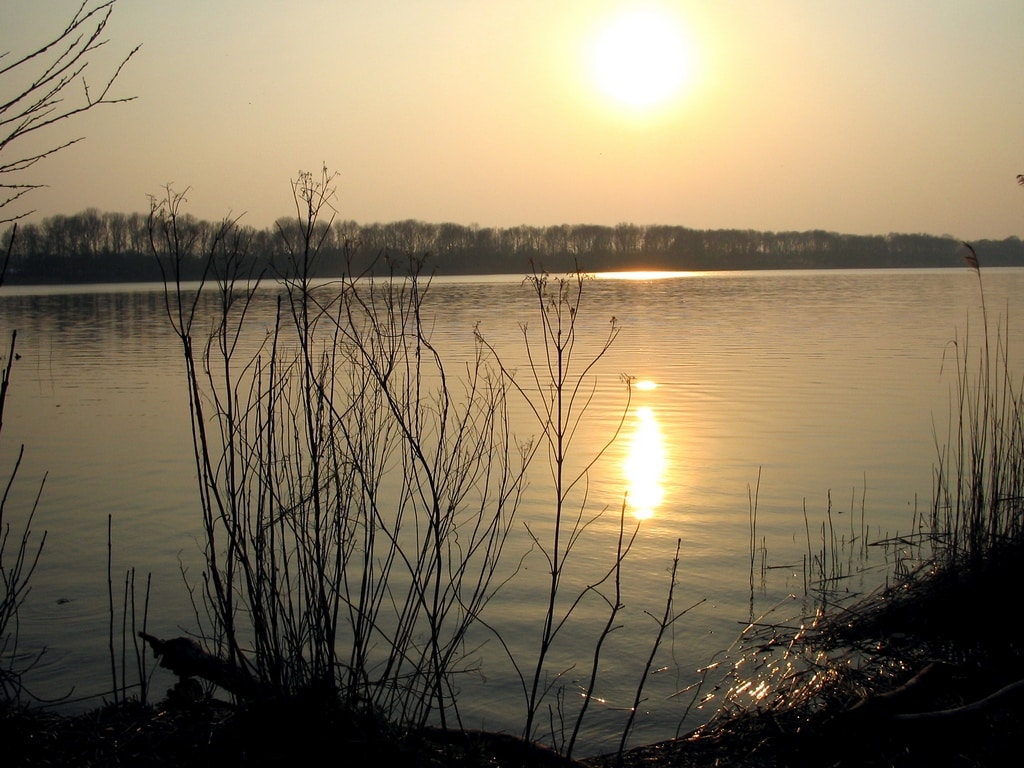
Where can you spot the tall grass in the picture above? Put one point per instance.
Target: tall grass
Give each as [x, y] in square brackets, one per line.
[952, 562]
[978, 504]
[977, 508]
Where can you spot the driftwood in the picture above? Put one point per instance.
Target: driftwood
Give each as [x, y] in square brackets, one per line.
[186, 658]
[910, 695]
[1007, 693]
[908, 705]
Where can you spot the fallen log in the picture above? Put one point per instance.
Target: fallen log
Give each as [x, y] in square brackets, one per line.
[186, 658]
[912, 706]
[1007, 693]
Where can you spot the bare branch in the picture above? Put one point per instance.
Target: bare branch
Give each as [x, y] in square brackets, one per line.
[35, 93]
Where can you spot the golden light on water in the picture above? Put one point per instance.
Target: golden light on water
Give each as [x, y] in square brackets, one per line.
[643, 275]
[645, 465]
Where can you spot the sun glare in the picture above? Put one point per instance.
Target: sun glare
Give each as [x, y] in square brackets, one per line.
[640, 58]
[645, 465]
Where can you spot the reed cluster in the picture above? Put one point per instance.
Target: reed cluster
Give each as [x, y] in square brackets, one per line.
[818, 659]
[978, 505]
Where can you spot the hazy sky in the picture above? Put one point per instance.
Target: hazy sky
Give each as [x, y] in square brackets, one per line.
[863, 117]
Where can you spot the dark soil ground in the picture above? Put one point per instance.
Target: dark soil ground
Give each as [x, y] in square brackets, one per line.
[929, 674]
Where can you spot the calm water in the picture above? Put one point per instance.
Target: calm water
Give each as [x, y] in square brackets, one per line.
[804, 385]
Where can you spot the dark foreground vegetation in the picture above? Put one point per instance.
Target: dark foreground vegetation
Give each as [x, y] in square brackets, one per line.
[927, 673]
[93, 246]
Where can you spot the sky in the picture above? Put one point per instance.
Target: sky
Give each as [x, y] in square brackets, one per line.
[865, 117]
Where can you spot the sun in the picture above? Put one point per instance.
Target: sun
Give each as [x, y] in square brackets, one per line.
[641, 59]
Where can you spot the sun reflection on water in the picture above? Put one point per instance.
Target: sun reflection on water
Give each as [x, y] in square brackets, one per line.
[645, 464]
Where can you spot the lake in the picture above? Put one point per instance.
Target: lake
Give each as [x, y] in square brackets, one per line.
[821, 397]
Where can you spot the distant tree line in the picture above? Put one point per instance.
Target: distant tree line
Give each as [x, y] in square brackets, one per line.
[114, 247]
